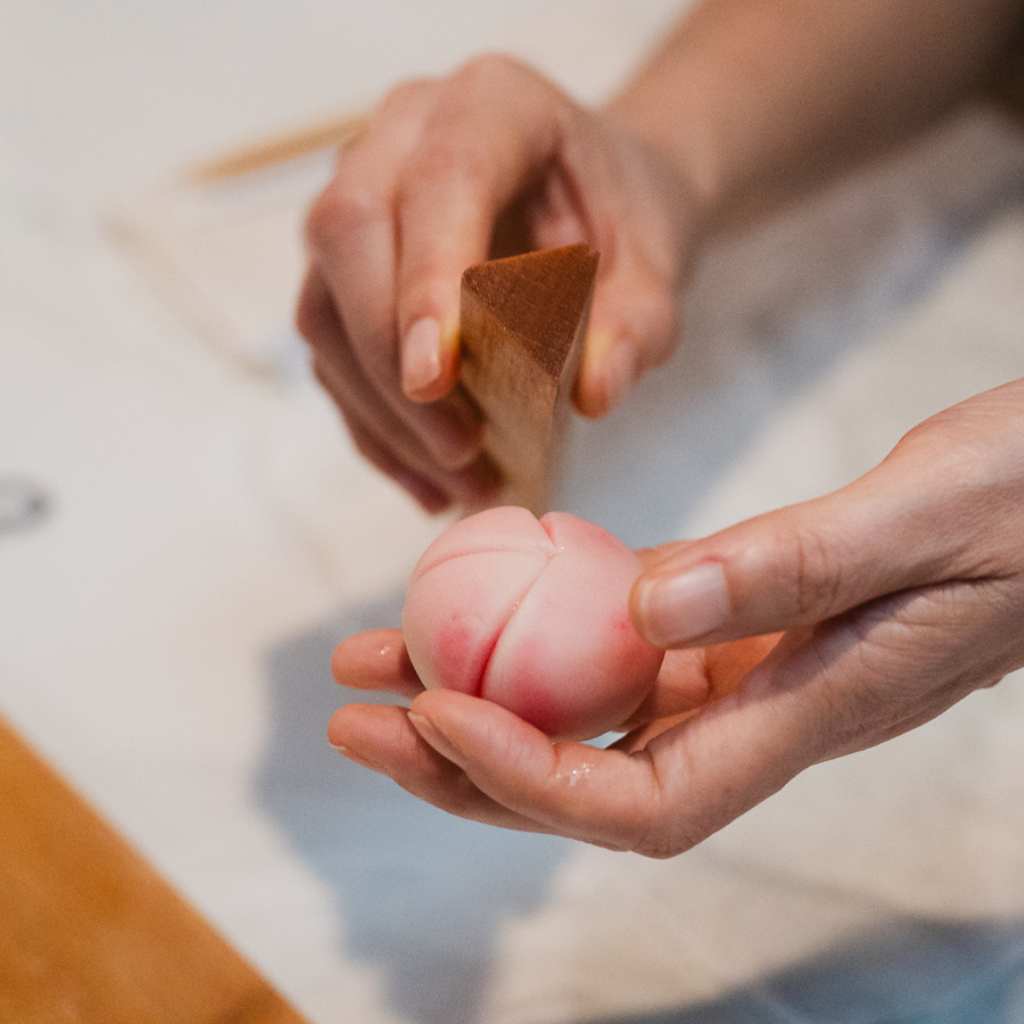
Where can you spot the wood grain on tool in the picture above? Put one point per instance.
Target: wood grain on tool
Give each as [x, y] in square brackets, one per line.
[522, 323]
[90, 933]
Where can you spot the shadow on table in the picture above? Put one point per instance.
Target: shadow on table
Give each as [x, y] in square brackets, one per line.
[909, 972]
[422, 894]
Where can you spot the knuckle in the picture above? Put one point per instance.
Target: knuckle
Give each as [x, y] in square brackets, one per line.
[656, 852]
[309, 321]
[343, 207]
[653, 831]
[813, 572]
[405, 94]
[368, 448]
[660, 841]
[451, 164]
[320, 221]
[360, 443]
[490, 66]
[610, 847]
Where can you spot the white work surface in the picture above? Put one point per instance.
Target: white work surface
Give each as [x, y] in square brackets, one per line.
[165, 630]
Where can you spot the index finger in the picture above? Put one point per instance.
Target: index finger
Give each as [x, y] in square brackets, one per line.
[466, 169]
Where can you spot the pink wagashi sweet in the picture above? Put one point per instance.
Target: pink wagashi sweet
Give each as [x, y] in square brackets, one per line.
[533, 615]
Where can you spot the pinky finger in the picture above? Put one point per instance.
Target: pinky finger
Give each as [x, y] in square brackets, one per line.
[376, 660]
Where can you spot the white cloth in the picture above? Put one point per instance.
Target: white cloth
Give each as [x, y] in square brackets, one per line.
[166, 628]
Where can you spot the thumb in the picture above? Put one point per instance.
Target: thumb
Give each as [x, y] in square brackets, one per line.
[798, 565]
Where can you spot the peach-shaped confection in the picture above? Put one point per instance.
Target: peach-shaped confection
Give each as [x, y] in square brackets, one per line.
[532, 615]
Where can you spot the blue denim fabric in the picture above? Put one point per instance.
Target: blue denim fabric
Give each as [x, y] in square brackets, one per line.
[910, 972]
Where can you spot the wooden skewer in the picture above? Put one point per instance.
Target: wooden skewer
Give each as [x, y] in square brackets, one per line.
[336, 131]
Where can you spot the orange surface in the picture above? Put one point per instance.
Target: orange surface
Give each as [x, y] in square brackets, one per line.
[90, 933]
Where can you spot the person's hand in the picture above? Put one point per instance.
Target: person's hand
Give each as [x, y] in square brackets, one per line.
[898, 596]
[446, 170]
[407, 746]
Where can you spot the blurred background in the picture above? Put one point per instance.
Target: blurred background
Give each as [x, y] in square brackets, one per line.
[185, 533]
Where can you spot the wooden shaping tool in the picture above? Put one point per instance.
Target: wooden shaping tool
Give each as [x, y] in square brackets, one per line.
[522, 324]
[90, 933]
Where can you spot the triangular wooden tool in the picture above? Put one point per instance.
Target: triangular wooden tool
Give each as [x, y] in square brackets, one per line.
[522, 325]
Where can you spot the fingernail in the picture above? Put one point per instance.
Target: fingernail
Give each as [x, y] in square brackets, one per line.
[421, 355]
[434, 737]
[620, 372]
[681, 608]
[357, 758]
